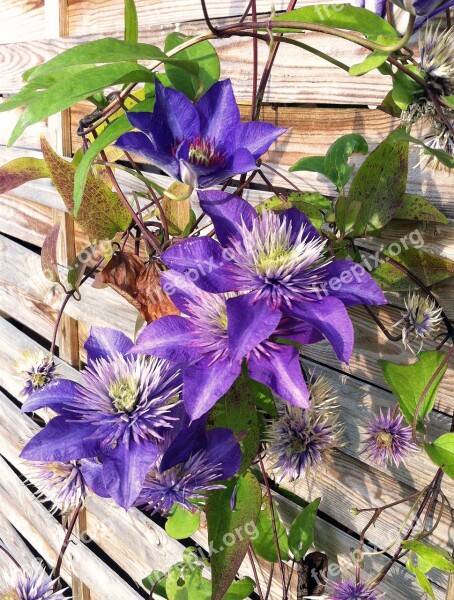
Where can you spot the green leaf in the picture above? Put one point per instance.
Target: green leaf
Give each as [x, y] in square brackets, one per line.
[337, 168]
[373, 61]
[150, 581]
[20, 171]
[346, 213]
[263, 397]
[437, 557]
[76, 88]
[379, 186]
[310, 203]
[240, 589]
[190, 585]
[102, 213]
[301, 534]
[177, 211]
[417, 208]
[107, 137]
[390, 107]
[204, 55]
[343, 16]
[229, 531]
[49, 263]
[401, 135]
[236, 410]
[441, 452]
[404, 90]
[314, 164]
[421, 579]
[182, 523]
[264, 543]
[131, 22]
[107, 50]
[429, 268]
[407, 383]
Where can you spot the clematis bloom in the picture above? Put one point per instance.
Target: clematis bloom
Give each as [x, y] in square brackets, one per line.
[117, 414]
[424, 8]
[279, 264]
[200, 144]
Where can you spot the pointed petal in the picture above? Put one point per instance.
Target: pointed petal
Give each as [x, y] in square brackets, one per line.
[184, 294]
[140, 144]
[204, 384]
[204, 261]
[54, 395]
[218, 111]
[92, 473]
[281, 372]
[248, 325]
[124, 471]
[188, 441]
[298, 220]
[331, 318]
[223, 448]
[106, 343]
[61, 440]
[239, 162]
[177, 111]
[170, 338]
[256, 137]
[352, 284]
[228, 213]
[297, 331]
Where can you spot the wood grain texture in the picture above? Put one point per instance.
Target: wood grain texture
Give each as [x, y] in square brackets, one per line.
[22, 20]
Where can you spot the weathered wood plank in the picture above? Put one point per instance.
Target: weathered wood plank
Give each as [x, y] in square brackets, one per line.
[30, 139]
[22, 20]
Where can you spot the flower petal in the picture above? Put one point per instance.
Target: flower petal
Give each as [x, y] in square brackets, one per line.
[204, 261]
[125, 469]
[139, 143]
[177, 111]
[61, 440]
[204, 384]
[352, 284]
[248, 325]
[54, 395]
[256, 137]
[228, 213]
[223, 449]
[92, 473]
[187, 442]
[297, 331]
[331, 318]
[239, 162]
[104, 342]
[298, 220]
[281, 372]
[184, 294]
[218, 111]
[168, 337]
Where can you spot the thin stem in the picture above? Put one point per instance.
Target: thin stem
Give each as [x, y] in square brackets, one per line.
[254, 570]
[273, 521]
[10, 556]
[206, 16]
[277, 172]
[270, 582]
[65, 545]
[255, 65]
[272, 188]
[391, 338]
[155, 585]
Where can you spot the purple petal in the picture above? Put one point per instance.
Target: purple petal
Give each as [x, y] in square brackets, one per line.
[170, 338]
[184, 294]
[352, 284]
[188, 441]
[92, 473]
[124, 471]
[218, 111]
[204, 261]
[239, 162]
[204, 384]
[177, 111]
[140, 144]
[54, 395]
[106, 343]
[61, 440]
[256, 137]
[281, 372]
[298, 220]
[248, 325]
[330, 317]
[223, 449]
[297, 331]
[228, 213]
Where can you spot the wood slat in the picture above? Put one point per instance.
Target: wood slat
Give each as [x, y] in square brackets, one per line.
[22, 20]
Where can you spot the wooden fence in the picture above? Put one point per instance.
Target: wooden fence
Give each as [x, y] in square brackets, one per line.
[320, 104]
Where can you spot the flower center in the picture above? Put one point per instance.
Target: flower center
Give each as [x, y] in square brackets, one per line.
[39, 380]
[384, 439]
[273, 260]
[123, 393]
[203, 153]
[10, 595]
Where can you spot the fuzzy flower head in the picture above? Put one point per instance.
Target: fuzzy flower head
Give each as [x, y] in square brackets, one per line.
[300, 440]
[440, 138]
[349, 590]
[116, 414]
[437, 59]
[200, 144]
[31, 584]
[35, 370]
[388, 440]
[421, 320]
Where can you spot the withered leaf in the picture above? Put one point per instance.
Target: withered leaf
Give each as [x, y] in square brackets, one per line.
[49, 262]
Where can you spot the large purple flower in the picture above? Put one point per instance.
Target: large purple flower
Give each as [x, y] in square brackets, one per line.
[200, 144]
[424, 8]
[222, 331]
[280, 265]
[192, 462]
[117, 414]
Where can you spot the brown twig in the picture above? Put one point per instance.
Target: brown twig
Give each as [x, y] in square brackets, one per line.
[65, 545]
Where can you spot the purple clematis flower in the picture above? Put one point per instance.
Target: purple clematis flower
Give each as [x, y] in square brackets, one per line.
[376, 6]
[210, 346]
[192, 462]
[279, 264]
[117, 414]
[200, 144]
[424, 8]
